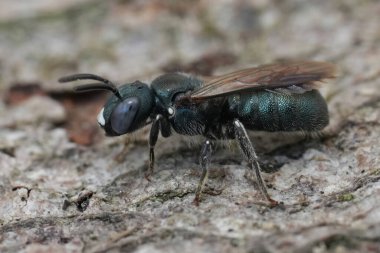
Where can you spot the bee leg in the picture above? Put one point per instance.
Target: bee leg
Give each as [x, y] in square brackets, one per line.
[204, 161]
[248, 150]
[153, 136]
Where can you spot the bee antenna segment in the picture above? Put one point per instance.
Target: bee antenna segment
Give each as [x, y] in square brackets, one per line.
[104, 85]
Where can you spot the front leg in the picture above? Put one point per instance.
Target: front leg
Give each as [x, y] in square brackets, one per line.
[153, 136]
[204, 160]
[248, 150]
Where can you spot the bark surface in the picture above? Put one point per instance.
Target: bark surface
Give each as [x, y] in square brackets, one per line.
[66, 188]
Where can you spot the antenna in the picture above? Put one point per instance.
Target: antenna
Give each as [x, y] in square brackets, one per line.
[104, 85]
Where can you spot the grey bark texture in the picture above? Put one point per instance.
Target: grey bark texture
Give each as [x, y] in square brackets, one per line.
[59, 196]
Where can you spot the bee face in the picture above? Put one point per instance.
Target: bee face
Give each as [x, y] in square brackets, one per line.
[126, 114]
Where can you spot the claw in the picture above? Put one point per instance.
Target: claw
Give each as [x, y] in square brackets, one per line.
[147, 177]
[273, 203]
[196, 201]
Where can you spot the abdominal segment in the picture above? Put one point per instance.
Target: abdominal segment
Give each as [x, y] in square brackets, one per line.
[273, 111]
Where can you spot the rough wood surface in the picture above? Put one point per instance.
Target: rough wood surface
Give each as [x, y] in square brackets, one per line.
[57, 195]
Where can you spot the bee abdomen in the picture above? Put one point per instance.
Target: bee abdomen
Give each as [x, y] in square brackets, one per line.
[272, 111]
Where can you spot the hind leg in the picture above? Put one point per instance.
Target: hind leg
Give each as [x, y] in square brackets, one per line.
[249, 152]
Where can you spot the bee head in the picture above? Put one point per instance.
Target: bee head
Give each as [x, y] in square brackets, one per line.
[126, 110]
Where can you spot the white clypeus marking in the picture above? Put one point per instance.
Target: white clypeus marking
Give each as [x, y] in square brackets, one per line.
[101, 119]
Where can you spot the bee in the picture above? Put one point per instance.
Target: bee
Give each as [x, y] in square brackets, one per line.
[275, 97]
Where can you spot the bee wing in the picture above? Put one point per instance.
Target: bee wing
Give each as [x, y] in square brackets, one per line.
[291, 77]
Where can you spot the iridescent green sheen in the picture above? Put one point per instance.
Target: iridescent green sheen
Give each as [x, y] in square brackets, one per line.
[274, 111]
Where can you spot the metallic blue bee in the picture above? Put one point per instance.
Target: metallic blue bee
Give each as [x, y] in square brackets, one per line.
[275, 97]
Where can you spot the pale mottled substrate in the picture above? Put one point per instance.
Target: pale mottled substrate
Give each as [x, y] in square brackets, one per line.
[330, 187]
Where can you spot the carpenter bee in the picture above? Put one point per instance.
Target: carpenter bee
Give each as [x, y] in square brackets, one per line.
[275, 97]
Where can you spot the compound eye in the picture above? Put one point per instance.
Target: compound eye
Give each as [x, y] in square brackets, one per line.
[123, 115]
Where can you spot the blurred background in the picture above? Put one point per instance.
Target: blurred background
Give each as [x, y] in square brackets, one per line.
[60, 192]
[128, 40]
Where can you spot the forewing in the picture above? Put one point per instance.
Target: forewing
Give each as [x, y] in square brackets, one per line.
[293, 77]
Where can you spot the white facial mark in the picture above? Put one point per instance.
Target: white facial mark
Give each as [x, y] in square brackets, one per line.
[101, 119]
